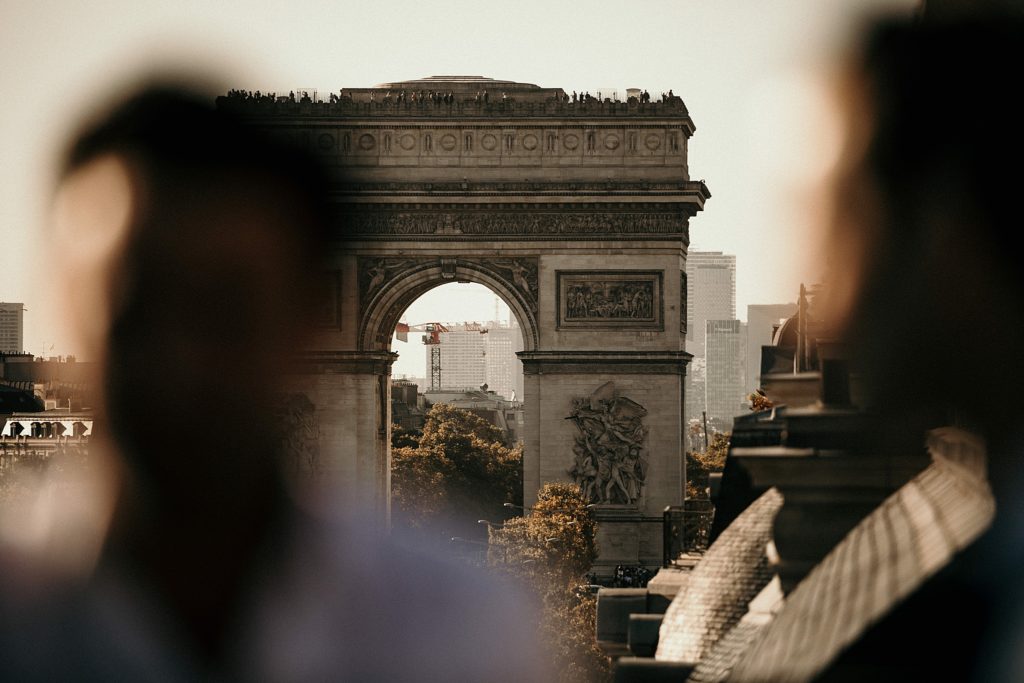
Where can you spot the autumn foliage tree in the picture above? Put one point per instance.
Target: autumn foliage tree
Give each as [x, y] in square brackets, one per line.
[550, 552]
[459, 470]
[700, 465]
[759, 401]
[697, 506]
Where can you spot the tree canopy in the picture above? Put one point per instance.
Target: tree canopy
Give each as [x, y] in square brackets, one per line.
[554, 545]
[759, 402]
[550, 552]
[699, 465]
[458, 471]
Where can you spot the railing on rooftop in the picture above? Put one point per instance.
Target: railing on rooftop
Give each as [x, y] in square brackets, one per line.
[686, 530]
[283, 106]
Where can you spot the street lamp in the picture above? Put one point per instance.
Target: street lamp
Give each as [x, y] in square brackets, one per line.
[459, 539]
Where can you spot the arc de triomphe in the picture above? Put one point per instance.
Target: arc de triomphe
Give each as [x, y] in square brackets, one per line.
[575, 213]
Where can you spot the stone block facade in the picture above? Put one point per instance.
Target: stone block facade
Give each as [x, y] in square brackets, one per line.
[576, 214]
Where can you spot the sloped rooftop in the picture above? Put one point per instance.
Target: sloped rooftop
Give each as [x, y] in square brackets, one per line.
[885, 558]
[732, 573]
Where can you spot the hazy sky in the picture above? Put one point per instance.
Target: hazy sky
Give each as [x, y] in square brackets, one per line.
[753, 74]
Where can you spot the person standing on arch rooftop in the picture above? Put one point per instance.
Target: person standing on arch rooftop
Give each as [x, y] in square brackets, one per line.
[188, 243]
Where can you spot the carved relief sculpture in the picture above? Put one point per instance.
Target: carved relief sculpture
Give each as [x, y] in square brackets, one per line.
[374, 272]
[520, 223]
[683, 290]
[609, 298]
[299, 429]
[521, 272]
[610, 464]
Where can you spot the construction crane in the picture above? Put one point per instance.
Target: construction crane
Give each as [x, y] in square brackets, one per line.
[432, 338]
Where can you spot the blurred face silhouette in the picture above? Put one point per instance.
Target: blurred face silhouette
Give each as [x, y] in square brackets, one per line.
[926, 284]
[192, 285]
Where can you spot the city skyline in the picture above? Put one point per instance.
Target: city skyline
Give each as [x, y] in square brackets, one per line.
[753, 78]
[12, 327]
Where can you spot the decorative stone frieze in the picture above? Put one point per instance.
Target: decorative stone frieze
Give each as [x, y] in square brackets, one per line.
[518, 274]
[511, 223]
[610, 298]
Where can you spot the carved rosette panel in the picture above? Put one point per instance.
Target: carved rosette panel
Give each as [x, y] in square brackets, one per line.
[609, 456]
[610, 298]
[512, 223]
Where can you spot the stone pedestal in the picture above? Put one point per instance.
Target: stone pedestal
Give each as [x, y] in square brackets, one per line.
[630, 531]
[826, 495]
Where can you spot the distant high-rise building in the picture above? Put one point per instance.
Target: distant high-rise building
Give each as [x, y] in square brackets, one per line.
[503, 371]
[473, 354]
[463, 352]
[710, 294]
[12, 328]
[761, 320]
[724, 358]
[695, 405]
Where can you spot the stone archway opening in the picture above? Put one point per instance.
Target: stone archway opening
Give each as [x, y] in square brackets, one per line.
[389, 286]
[456, 366]
[485, 332]
[392, 285]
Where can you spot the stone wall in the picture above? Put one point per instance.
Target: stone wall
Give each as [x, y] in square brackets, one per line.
[576, 214]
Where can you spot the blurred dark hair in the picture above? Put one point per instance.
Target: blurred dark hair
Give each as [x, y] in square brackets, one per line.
[215, 285]
[943, 98]
[177, 136]
[937, 319]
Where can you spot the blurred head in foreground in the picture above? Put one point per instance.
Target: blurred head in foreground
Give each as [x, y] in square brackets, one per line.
[929, 293]
[191, 247]
[192, 250]
[927, 285]
[194, 246]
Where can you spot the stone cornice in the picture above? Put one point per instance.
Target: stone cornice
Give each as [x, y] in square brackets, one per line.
[509, 222]
[269, 111]
[635, 191]
[513, 203]
[605, 362]
[471, 124]
[344, 362]
[539, 200]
